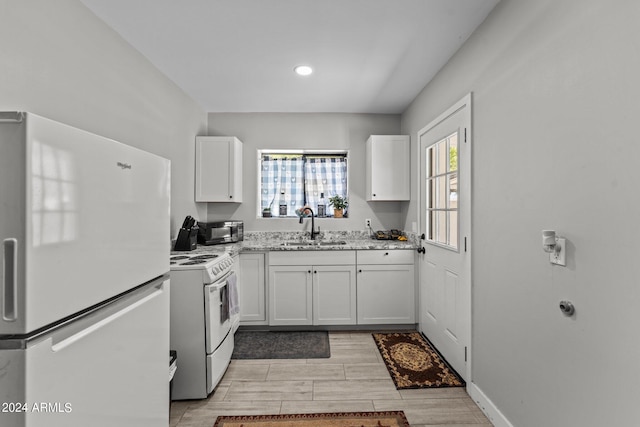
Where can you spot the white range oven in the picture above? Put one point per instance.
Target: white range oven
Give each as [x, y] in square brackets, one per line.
[204, 318]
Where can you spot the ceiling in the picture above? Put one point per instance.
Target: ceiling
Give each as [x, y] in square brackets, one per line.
[369, 56]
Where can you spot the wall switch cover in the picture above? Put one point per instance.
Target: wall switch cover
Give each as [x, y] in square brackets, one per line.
[559, 258]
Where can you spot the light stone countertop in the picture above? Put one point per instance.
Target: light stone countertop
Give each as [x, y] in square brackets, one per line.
[264, 241]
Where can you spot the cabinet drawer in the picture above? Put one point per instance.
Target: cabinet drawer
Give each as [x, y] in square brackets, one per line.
[381, 256]
[312, 258]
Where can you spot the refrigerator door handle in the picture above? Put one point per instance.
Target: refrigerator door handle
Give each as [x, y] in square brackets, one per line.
[10, 280]
[64, 339]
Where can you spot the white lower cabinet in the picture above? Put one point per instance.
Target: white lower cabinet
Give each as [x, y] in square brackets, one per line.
[251, 289]
[334, 295]
[290, 295]
[386, 287]
[312, 288]
[368, 287]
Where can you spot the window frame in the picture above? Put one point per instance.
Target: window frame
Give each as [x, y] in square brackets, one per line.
[295, 152]
[430, 195]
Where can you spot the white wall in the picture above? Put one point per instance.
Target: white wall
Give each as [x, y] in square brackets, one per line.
[60, 61]
[306, 131]
[555, 95]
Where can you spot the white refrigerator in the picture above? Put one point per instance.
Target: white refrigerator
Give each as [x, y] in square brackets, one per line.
[84, 298]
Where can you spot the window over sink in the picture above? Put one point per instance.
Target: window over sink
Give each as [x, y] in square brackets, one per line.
[292, 179]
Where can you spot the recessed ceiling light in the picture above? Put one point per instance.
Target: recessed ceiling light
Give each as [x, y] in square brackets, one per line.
[303, 70]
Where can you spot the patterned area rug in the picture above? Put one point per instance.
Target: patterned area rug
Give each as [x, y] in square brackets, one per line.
[281, 345]
[343, 419]
[413, 362]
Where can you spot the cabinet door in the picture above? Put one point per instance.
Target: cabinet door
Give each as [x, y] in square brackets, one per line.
[218, 169]
[290, 295]
[334, 295]
[388, 168]
[251, 289]
[386, 294]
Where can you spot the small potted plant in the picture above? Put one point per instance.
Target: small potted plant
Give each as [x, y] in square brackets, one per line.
[339, 204]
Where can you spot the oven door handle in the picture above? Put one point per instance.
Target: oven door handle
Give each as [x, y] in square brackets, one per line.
[222, 282]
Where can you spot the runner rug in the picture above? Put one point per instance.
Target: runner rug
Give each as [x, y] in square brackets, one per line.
[343, 419]
[281, 345]
[414, 363]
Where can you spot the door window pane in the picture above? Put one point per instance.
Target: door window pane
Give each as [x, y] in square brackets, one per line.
[453, 153]
[453, 191]
[441, 227]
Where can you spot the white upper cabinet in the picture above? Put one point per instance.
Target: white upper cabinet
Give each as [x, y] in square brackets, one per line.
[388, 168]
[218, 169]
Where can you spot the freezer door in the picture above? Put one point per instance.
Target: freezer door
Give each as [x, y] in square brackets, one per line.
[110, 368]
[83, 218]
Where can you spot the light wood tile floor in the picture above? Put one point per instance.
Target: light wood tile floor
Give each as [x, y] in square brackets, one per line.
[354, 378]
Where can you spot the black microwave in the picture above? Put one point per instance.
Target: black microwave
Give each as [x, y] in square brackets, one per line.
[220, 232]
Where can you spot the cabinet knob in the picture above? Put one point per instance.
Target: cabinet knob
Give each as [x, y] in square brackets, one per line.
[309, 271]
[230, 196]
[359, 271]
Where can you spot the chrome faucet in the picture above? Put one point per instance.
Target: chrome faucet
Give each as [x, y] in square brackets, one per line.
[313, 227]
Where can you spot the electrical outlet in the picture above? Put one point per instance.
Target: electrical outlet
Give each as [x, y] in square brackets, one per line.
[367, 222]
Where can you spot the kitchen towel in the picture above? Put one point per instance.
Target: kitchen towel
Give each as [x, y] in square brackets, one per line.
[232, 284]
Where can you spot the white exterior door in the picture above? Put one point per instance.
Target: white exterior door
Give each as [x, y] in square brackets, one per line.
[445, 212]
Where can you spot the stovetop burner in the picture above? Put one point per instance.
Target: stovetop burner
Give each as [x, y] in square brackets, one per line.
[205, 257]
[189, 261]
[196, 262]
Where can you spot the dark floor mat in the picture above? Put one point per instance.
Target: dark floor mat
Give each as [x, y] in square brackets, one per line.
[281, 345]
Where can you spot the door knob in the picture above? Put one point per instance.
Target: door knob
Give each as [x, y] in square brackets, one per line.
[567, 308]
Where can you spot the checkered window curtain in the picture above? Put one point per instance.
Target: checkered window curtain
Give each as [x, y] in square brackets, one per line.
[280, 174]
[326, 175]
[303, 179]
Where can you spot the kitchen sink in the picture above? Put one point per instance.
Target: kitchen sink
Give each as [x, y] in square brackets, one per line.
[297, 243]
[314, 243]
[331, 243]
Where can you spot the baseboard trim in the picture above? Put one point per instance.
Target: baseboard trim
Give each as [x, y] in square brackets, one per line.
[496, 417]
[408, 327]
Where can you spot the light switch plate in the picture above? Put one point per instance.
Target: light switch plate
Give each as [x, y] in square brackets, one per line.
[559, 258]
